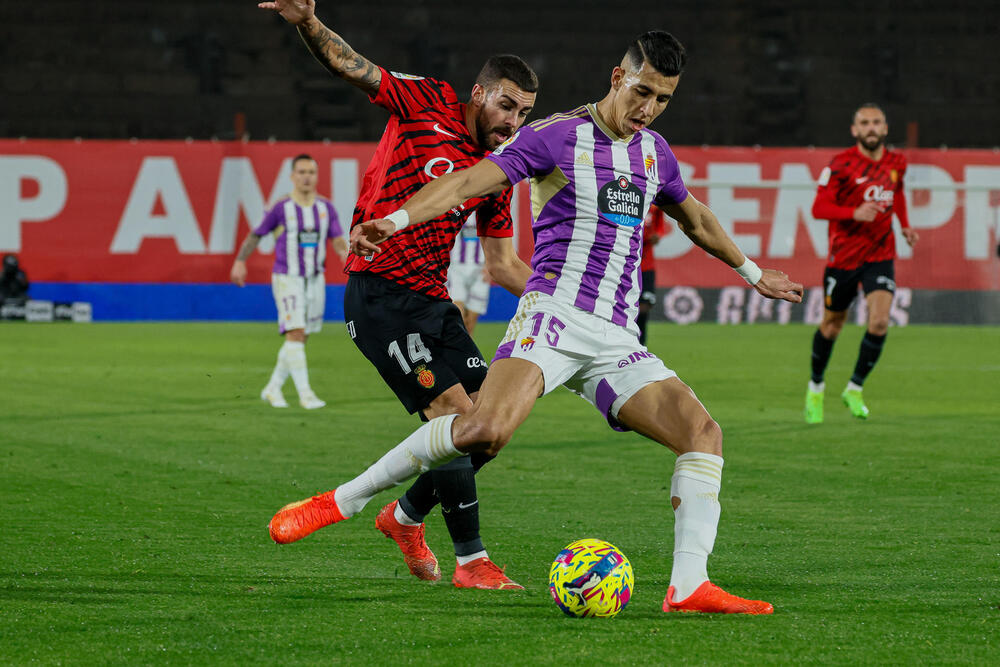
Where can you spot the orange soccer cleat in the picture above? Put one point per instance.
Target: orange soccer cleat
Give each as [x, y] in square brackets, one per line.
[483, 573]
[418, 556]
[711, 599]
[296, 520]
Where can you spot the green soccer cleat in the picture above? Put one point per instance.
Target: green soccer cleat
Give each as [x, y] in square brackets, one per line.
[814, 407]
[852, 399]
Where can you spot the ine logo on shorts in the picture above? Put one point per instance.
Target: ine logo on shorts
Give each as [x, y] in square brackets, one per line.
[621, 202]
[527, 343]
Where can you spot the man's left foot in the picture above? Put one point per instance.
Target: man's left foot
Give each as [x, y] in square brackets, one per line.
[710, 599]
[852, 399]
[304, 517]
[483, 573]
[419, 558]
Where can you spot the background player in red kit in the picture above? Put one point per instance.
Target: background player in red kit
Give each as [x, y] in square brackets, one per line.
[858, 193]
[654, 228]
[396, 303]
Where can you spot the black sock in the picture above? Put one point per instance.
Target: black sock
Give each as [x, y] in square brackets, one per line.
[420, 498]
[871, 348]
[822, 347]
[455, 483]
[641, 320]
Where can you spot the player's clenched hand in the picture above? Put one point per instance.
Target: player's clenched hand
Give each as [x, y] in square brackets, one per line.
[293, 11]
[366, 236]
[867, 212]
[776, 285]
[238, 274]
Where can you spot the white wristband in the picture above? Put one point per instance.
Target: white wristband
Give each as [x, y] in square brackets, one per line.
[400, 218]
[750, 271]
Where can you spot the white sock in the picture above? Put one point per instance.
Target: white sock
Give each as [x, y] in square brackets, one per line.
[853, 387]
[280, 372]
[817, 387]
[427, 447]
[696, 482]
[295, 360]
[404, 518]
[462, 560]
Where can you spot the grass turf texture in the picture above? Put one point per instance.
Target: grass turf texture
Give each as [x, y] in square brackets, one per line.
[139, 469]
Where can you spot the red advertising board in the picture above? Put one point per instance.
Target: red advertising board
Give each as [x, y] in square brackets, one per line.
[175, 212]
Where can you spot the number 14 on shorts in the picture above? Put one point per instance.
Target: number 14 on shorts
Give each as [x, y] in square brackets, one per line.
[415, 348]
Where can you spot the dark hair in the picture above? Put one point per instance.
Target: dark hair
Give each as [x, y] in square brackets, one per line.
[301, 156]
[866, 105]
[507, 66]
[661, 50]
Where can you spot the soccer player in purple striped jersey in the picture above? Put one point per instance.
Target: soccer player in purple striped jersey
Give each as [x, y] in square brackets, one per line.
[301, 223]
[468, 277]
[594, 173]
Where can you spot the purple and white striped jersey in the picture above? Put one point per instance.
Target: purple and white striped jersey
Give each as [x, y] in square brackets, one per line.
[590, 192]
[301, 233]
[467, 250]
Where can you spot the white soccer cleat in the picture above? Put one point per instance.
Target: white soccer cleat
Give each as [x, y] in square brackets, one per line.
[273, 396]
[311, 401]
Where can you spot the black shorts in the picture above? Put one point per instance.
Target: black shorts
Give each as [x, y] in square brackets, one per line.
[419, 345]
[840, 286]
[648, 283]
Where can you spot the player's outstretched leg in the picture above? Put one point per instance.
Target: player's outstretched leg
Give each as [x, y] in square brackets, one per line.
[428, 447]
[694, 491]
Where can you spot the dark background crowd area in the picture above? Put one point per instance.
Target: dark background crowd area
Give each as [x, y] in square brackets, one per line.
[765, 72]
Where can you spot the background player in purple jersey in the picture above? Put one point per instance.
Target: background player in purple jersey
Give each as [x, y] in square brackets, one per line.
[301, 223]
[594, 171]
[468, 280]
[397, 308]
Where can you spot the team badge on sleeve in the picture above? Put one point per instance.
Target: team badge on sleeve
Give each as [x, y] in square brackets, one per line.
[824, 176]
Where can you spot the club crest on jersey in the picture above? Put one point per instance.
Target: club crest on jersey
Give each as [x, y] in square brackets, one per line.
[424, 376]
[621, 202]
[650, 163]
[527, 343]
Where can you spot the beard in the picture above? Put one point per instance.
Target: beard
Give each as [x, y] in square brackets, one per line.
[484, 133]
[872, 143]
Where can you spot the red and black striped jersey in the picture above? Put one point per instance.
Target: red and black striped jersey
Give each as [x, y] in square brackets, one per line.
[425, 138]
[849, 180]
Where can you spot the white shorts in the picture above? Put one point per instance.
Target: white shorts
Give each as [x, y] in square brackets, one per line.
[590, 356]
[300, 301]
[466, 285]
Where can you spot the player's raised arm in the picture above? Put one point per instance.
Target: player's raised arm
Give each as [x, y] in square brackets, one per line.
[434, 199]
[328, 47]
[701, 226]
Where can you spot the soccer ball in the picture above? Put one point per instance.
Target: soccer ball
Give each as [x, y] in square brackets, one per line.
[591, 578]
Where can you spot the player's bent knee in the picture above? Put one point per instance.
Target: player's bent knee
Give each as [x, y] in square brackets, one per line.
[483, 436]
[705, 436]
[879, 327]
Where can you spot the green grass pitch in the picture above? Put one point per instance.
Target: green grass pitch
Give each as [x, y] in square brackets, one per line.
[138, 470]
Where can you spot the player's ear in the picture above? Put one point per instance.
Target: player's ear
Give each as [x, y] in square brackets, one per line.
[478, 96]
[617, 75]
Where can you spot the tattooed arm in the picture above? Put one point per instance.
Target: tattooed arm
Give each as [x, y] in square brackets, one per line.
[328, 47]
[238, 274]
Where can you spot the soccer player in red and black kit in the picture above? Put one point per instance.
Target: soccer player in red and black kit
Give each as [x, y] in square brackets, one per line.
[654, 228]
[396, 303]
[858, 193]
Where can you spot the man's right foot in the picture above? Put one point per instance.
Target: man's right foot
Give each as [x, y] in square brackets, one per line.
[419, 558]
[814, 407]
[483, 573]
[304, 517]
[311, 401]
[273, 396]
[855, 403]
[710, 599]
